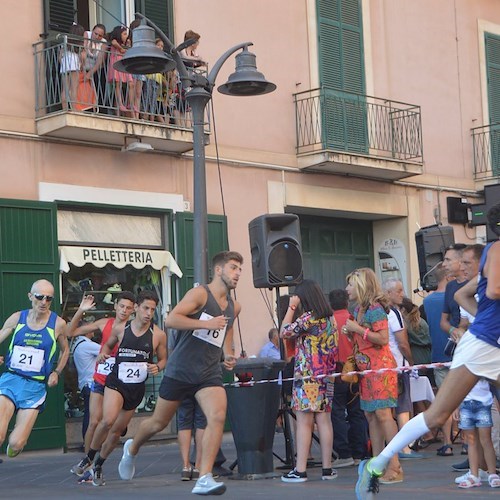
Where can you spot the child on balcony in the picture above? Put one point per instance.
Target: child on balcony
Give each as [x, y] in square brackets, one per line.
[122, 81]
[70, 63]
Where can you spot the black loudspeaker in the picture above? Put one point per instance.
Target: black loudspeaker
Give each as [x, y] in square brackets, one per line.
[457, 210]
[432, 242]
[276, 250]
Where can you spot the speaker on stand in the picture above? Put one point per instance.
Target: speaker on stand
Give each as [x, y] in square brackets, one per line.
[276, 250]
[432, 242]
[275, 246]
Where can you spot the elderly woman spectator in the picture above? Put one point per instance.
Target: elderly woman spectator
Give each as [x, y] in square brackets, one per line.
[370, 336]
[316, 343]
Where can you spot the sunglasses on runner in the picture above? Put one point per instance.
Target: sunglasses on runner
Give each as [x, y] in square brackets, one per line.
[39, 297]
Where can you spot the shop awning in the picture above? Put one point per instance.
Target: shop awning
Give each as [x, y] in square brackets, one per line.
[118, 257]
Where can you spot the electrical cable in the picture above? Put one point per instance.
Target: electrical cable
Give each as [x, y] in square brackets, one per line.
[216, 143]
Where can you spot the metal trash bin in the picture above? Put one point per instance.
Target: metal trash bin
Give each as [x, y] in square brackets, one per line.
[252, 411]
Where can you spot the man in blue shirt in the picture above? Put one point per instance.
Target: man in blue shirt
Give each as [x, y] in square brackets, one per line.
[272, 348]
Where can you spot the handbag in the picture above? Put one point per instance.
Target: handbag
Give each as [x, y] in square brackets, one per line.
[349, 366]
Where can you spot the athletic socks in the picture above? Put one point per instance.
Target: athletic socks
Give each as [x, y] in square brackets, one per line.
[91, 454]
[99, 461]
[414, 429]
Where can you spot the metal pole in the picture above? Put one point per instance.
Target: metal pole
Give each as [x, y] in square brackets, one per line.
[198, 98]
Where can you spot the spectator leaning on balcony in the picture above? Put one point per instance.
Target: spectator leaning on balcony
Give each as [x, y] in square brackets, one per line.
[190, 54]
[69, 65]
[135, 86]
[152, 94]
[120, 80]
[94, 58]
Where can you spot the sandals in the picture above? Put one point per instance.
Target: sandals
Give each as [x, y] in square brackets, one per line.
[470, 482]
[392, 476]
[494, 480]
[445, 451]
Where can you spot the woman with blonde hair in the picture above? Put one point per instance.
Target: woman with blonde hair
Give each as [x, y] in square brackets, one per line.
[370, 336]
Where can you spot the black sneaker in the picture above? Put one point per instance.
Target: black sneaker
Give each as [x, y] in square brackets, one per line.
[294, 477]
[327, 474]
[82, 466]
[462, 466]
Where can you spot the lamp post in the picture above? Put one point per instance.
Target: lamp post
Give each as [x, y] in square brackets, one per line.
[144, 57]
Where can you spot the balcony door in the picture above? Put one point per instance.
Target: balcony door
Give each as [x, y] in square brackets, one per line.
[340, 50]
[492, 45]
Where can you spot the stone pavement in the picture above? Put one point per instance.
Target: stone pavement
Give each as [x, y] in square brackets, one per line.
[45, 475]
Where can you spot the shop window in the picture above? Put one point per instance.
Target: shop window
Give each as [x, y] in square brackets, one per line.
[105, 284]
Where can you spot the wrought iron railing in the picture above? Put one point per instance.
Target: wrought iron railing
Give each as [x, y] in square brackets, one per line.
[486, 148]
[75, 75]
[334, 120]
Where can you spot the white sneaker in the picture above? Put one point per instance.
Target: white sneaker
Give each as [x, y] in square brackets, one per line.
[126, 467]
[206, 485]
[483, 476]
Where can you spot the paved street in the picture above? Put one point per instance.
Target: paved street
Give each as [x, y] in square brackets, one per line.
[45, 475]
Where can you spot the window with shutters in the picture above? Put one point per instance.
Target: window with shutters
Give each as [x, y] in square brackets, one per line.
[492, 47]
[340, 52]
[160, 12]
[60, 14]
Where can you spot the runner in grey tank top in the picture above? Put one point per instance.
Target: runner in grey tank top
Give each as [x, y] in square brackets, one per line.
[204, 321]
[201, 346]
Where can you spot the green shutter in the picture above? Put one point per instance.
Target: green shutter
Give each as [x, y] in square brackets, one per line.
[340, 47]
[332, 248]
[492, 45]
[160, 12]
[28, 252]
[217, 242]
[59, 15]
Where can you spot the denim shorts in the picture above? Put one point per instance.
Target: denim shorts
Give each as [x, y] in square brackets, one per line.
[474, 414]
[97, 388]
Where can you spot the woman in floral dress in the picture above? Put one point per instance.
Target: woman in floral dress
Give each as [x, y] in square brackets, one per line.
[316, 344]
[370, 336]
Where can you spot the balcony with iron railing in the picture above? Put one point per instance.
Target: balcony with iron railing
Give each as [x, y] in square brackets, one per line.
[486, 150]
[353, 134]
[79, 96]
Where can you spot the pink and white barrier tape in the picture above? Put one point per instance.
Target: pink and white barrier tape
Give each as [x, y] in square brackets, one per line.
[332, 376]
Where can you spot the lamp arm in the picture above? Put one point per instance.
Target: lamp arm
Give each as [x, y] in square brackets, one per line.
[222, 59]
[181, 67]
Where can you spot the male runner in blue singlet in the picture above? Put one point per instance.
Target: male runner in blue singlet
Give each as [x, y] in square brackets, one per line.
[30, 361]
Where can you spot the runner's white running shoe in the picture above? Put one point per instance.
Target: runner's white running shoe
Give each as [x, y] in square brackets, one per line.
[126, 467]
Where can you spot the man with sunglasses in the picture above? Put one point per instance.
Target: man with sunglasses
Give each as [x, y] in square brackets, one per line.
[30, 364]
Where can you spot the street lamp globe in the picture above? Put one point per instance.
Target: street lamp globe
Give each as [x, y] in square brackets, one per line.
[144, 57]
[246, 80]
